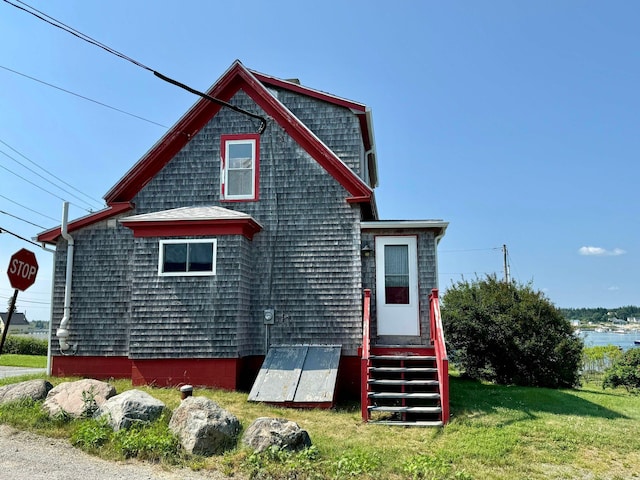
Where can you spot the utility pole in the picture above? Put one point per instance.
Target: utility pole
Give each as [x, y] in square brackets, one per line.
[506, 264]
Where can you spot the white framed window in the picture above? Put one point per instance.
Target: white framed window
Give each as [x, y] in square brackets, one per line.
[239, 167]
[187, 257]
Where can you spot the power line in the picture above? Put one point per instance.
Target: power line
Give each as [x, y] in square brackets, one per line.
[4, 230]
[84, 98]
[39, 187]
[22, 219]
[48, 173]
[44, 178]
[58, 24]
[27, 208]
[470, 250]
[28, 301]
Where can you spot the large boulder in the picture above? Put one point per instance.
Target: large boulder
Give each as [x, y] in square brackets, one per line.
[81, 398]
[204, 428]
[285, 434]
[32, 389]
[132, 406]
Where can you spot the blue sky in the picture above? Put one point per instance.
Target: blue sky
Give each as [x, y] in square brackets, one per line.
[516, 122]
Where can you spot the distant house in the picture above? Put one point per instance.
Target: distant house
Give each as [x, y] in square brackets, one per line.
[221, 244]
[19, 323]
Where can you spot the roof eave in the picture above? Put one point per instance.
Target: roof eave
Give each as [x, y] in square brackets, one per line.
[51, 236]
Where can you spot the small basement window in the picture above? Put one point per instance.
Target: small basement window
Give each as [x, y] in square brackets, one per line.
[240, 167]
[187, 257]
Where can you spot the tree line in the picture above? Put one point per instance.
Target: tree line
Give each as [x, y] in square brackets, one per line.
[600, 315]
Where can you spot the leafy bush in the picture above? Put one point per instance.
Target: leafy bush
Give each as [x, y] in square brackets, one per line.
[509, 334]
[276, 463]
[92, 434]
[23, 345]
[595, 360]
[625, 372]
[153, 442]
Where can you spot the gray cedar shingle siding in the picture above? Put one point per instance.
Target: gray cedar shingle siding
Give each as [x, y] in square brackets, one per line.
[185, 317]
[305, 262]
[427, 279]
[101, 290]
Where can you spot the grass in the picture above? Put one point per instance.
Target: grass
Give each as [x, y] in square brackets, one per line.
[496, 432]
[15, 360]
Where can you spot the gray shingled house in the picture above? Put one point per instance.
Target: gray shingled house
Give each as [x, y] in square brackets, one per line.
[19, 323]
[222, 244]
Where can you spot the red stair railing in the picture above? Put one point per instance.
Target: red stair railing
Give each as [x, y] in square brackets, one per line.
[364, 362]
[442, 360]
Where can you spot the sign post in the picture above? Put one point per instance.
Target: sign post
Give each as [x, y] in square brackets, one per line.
[22, 271]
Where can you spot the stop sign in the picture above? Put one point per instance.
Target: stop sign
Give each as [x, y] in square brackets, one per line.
[23, 267]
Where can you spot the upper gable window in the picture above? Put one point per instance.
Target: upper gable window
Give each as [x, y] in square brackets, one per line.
[240, 167]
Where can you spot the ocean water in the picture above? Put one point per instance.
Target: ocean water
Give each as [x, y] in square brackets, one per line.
[622, 340]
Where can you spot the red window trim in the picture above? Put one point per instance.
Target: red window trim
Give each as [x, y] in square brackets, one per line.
[223, 150]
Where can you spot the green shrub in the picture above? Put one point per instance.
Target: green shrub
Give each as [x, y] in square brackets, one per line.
[625, 372]
[92, 434]
[23, 345]
[153, 442]
[595, 360]
[276, 463]
[509, 334]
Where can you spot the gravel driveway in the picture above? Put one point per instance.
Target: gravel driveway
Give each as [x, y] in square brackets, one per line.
[29, 456]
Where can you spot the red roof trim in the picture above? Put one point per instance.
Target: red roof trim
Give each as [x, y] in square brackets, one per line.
[236, 78]
[358, 108]
[301, 134]
[309, 92]
[51, 235]
[246, 227]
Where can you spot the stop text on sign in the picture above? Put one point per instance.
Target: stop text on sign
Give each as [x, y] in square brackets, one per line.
[22, 269]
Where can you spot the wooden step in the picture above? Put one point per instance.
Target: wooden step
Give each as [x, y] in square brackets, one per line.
[402, 382]
[403, 369]
[394, 395]
[403, 357]
[400, 409]
[422, 423]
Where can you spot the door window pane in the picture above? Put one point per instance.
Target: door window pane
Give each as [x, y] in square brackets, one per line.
[396, 274]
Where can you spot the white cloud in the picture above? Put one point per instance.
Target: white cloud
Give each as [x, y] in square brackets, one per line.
[613, 288]
[600, 252]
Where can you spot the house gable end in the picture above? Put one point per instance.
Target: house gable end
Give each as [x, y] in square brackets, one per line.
[235, 79]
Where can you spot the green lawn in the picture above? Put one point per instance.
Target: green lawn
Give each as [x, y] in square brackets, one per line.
[496, 432]
[14, 360]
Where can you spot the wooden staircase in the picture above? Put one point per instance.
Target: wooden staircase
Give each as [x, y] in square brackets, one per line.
[403, 389]
[406, 386]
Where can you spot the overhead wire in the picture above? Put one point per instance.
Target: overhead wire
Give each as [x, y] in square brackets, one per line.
[35, 302]
[22, 219]
[46, 179]
[40, 187]
[84, 98]
[4, 230]
[27, 208]
[58, 24]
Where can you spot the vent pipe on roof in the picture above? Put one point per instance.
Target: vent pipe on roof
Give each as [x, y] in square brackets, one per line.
[63, 330]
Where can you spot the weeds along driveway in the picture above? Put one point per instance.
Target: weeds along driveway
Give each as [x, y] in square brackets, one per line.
[25, 455]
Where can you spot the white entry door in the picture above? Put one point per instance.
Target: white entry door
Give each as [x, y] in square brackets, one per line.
[397, 286]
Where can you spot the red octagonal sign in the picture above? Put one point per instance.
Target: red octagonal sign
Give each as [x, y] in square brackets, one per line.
[23, 268]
